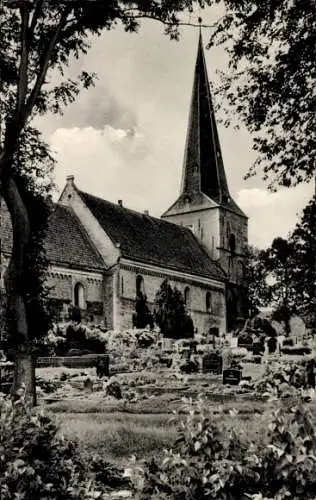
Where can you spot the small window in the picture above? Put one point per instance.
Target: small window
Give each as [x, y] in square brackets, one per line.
[122, 285]
[139, 284]
[79, 296]
[232, 243]
[187, 297]
[208, 301]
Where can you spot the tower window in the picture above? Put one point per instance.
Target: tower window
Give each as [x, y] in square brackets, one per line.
[187, 297]
[79, 296]
[208, 301]
[122, 285]
[139, 284]
[232, 243]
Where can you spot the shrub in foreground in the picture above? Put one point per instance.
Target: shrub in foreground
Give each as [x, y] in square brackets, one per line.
[36, 462]
[209, 464]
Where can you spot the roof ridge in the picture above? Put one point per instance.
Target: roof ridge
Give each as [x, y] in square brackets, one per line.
[160, 219]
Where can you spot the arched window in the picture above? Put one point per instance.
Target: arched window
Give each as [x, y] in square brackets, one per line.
[139, 284]
[208, 301]
[187, 298]
[232, 243]
[79, 296]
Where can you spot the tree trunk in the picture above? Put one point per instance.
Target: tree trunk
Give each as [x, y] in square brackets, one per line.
[24, 377]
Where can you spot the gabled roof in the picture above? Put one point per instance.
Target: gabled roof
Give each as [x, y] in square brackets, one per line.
[203, 166]
[151, 240]
[66, 242]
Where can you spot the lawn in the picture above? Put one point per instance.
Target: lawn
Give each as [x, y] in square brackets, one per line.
[119, 436]
[119, 429]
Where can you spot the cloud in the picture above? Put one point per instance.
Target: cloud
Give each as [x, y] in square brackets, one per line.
[116, 163]
[273, 214]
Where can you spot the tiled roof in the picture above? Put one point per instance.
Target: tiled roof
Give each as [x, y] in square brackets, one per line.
[66, 242]
[154, 241]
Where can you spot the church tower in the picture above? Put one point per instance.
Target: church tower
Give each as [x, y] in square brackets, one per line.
[205, 204]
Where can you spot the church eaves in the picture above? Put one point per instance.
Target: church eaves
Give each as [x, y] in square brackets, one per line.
[203, 179]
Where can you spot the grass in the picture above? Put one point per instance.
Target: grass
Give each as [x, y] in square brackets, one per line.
[119, 436]
[119, 429]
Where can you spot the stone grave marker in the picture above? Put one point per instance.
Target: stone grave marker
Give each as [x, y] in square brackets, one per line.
[212, 363]
[231, 376]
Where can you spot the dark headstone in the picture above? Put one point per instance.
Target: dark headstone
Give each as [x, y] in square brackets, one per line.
[190, 367]
[231, 376]
[310, 374]
[88, 384]
[257, 359]
[167, 361]
[214, 331]
[212, 363]
[102, 365]
[258, 348]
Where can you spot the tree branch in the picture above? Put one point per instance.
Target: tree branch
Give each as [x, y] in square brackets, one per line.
[45, 64]
[169, 23]
[38, 7]
[24, 57]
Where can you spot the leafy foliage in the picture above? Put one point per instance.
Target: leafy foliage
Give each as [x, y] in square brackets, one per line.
[142, 316]
[255, 275]
[36, 462]
[279, 263]
[269, 83]
[170, 313]
[32, 171]
[304, 241]
[212, 462]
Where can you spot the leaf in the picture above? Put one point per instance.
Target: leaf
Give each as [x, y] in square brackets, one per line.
[197, 445]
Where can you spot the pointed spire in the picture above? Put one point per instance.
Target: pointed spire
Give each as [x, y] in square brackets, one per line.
[203, 169]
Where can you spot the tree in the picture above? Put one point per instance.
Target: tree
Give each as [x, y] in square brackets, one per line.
[255, 278]
[279, 260]
[304, 240]
[270, 83]
[170, 313]
[38, 39]
[142, 316]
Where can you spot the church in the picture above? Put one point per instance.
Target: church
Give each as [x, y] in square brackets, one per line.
[102, 254]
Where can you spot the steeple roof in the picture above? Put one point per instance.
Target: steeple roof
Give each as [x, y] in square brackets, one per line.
[203, 178]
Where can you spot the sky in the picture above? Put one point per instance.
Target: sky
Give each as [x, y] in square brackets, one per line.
[125, 138]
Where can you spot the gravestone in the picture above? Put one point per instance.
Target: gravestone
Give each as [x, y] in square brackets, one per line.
[103, 366]
[258, 348]
[232, 376]
[212, 363]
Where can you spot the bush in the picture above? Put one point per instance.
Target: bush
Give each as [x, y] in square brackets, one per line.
[142, 316]
[170, 313]
[35, 462]
[213, 464]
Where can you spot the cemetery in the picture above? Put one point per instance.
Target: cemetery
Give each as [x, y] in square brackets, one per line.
[115, 392]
